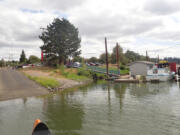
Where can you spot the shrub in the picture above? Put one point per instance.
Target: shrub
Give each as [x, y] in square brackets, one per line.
[83, 72]
[122, 67]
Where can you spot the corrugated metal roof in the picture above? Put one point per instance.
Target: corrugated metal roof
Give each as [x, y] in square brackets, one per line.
[145, 62]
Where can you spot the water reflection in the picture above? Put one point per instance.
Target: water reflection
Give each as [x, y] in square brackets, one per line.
[146, 89]
[103, 108]
[64, 114]
[120, 90]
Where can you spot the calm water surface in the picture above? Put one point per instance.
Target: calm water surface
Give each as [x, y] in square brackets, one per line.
[98, 109]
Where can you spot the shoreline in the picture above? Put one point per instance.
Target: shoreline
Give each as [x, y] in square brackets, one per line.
[64, 82]
[35, 89]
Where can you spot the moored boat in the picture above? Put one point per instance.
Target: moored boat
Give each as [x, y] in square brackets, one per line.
[160, 72]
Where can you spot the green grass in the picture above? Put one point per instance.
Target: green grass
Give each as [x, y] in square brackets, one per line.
[124, 72]
[44, 81]
[74, 76]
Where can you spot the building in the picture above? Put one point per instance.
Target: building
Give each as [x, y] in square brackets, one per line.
[140, 67]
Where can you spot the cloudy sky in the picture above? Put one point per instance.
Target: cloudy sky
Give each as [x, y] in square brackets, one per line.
[138, 25]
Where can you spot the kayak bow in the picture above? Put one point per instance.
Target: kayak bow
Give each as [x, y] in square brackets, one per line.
[40, 128]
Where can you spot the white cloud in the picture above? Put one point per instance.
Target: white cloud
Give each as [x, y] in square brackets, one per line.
[138, 25]
[162, 7]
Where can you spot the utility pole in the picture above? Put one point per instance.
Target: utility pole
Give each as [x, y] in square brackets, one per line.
[158, 59]
[117, 56]
[146, 55]
[107, 68]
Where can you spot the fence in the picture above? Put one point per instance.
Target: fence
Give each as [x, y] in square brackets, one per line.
[103, 70]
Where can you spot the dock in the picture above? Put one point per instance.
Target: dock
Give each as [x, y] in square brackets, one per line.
[127, 80]
[154, 80]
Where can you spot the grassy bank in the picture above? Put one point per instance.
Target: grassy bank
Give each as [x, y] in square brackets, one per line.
[77, 74]
[81, 74]
[70, 73]
[124, 72]
[45, 82]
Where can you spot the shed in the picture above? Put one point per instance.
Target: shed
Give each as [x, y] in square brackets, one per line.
[140, 67]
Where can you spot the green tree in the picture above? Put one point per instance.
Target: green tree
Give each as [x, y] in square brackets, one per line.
[78, 59]
[22, 57]
[33, 59]
[61, 40]
[93, 59]
[122, 58]
[2, 63]
[102, 58]
[132, 56]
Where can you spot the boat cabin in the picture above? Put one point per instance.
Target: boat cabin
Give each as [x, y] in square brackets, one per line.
[140, 68]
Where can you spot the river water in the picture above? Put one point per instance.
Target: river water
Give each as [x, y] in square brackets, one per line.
[98, 109]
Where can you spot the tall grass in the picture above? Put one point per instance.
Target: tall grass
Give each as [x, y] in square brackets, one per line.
[79, 75]
[45, 82]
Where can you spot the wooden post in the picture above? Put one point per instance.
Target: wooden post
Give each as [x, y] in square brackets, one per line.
[117, 56]
[107, 68]
[146, 55]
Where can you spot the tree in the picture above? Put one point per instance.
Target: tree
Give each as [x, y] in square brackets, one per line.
[122, 58]
[93, 59]
[2, 63]
[33, 59]
[78, 59]
[22, 57]
[102, 58]
[132, 56]
[61, 40]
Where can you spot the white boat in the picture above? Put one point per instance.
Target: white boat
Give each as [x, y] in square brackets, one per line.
[159, 74]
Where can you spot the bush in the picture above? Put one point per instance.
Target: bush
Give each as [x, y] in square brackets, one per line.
[83, 72]
[122, 67]
[97, 76]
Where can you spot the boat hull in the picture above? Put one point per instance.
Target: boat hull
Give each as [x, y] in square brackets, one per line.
[161, 78]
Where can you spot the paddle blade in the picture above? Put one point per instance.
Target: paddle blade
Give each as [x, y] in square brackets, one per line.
[41, 129]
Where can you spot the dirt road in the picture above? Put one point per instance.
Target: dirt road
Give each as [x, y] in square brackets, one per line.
[13, 84]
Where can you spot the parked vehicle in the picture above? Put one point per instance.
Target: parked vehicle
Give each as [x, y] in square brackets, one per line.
[19, 66]
[73, 65]
[97, 64]
[76, 64]
[69, 65]
[92, 64]
[87, 64]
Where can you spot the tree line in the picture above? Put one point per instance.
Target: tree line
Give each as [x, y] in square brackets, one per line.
[124, 58]
[31, 60]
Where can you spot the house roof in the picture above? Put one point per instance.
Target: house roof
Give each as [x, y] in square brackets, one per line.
[144, 62]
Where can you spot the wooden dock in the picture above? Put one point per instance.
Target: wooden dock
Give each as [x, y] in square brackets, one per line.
[154, 80]
[127, 80]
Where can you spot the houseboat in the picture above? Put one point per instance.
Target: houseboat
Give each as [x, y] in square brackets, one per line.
[162, 71]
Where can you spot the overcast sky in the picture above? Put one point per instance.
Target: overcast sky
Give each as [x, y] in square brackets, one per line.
[138, 25]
